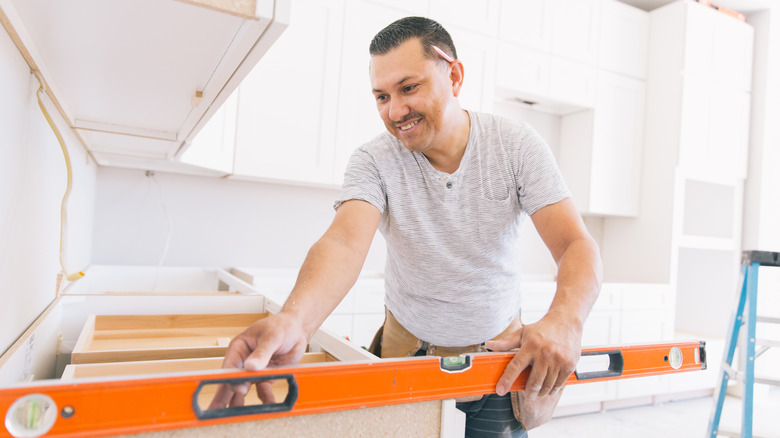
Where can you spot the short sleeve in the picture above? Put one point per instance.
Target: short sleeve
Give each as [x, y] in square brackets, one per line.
[362, 181]
[539, 180]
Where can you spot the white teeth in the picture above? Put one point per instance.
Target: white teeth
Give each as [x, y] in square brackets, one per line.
[405, 127]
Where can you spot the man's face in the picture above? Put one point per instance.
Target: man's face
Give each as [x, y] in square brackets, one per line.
[412, 93]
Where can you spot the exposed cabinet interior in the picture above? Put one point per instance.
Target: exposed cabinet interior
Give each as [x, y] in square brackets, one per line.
[77, 371]
[137, 80]
[115, 338]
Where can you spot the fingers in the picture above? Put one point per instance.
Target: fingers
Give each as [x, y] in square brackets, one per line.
[228, 395]
[512, 371]
[508, 342]
[265, 392]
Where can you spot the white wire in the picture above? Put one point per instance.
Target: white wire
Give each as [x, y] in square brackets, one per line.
[164, 254]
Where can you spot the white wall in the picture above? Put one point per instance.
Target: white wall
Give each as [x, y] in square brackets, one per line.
[32, 183]
[213, 222]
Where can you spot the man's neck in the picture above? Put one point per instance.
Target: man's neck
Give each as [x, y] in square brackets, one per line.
[448, 157]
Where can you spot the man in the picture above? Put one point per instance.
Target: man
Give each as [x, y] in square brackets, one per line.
[448, 189]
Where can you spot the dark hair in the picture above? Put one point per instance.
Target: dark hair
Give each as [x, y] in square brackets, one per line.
[427, 30]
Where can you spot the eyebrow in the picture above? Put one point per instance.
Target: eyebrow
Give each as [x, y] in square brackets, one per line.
[404, 79]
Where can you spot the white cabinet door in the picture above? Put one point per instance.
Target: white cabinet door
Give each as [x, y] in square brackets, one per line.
[214, 146]
[287, 104]
[729, 132]
[528, 23]
[714, 132]
[358, 118]
[522, 72]
[623, 39]
[601, 148]
[575, 33]
[481, 16]
[718, 47]
[410, 7]
[572, 82]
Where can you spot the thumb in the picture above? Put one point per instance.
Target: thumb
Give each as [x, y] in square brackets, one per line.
[260, 357]
[506, 343]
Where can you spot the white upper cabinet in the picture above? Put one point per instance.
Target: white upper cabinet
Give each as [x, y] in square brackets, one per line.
[718, 47]
[527, 23]
[575, 31]
[480, 16]
[567, 28]
[286, 125]
[601, 148]
[716, 66]
[137, 79]
[214, 146]
[623, 39]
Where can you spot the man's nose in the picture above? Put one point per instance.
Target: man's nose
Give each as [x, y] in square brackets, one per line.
[398, 109]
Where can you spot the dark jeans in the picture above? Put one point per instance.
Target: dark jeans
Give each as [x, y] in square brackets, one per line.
[491, 416]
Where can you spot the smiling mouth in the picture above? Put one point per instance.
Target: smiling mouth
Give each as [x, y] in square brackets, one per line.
[409, 125]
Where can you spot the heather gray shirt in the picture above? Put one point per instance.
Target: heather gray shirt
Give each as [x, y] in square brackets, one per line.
[453, 254]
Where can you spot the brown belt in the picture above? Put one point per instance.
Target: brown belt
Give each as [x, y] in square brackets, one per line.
[394, 340]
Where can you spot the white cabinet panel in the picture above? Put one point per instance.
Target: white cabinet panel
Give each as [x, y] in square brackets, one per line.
[715, 135]
[286, 117]
[414, 7]
[481, 16]
[575, 32]
[572, 82]
[214, 146]
[718, 47]
[623, 38]
[730, 131]
[522, 72]
[528, 23]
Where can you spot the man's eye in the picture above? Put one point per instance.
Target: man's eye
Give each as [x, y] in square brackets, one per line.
[381, 98]
[409, 88]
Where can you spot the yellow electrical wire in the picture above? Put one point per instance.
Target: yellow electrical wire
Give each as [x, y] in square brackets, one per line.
[63, 210]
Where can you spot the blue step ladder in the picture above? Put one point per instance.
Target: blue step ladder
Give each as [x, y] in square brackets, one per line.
[744, 315]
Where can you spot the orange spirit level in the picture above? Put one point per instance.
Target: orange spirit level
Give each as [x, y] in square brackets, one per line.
[94, 408]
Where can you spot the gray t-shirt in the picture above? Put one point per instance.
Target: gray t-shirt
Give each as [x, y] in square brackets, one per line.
[453, 253]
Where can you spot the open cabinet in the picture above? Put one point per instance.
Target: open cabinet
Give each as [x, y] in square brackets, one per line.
[126, 325]
[137, 80]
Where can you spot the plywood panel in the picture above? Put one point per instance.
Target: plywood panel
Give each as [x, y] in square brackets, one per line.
[119, 338]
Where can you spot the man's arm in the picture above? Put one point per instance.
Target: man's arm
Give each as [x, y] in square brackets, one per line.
[328, 273]
[552, 346]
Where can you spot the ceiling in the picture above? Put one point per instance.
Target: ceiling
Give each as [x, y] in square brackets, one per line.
[744, 6]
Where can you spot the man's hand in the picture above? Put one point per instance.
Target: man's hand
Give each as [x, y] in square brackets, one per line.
[551, 347]
[275, 340]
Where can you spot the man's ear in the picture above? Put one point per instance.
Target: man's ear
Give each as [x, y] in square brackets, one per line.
[456, 77]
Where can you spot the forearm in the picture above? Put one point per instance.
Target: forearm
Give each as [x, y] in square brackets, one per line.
[579, 281]
[329, 271]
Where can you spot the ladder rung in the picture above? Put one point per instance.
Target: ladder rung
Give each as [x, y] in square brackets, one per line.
[766, 381]
[768, 319]
[767, 343]
[740, 379]
[731, 433]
